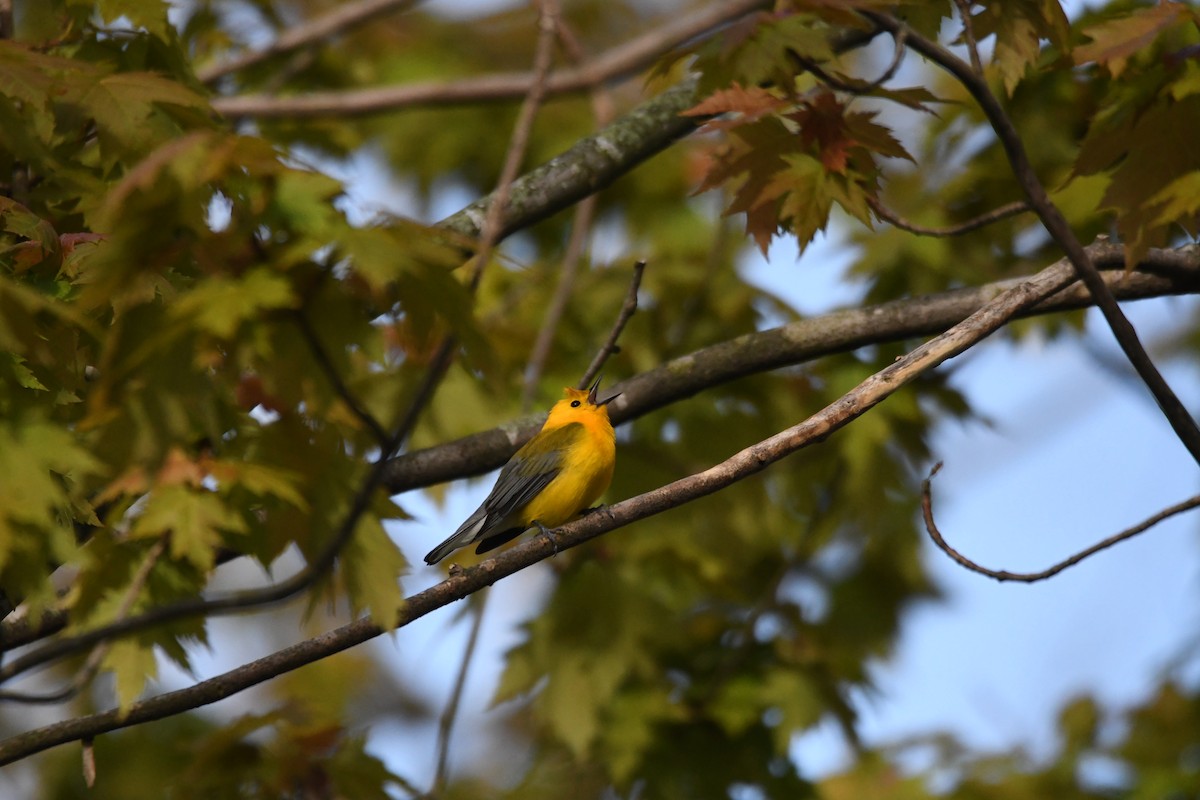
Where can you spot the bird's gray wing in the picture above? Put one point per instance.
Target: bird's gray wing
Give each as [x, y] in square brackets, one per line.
[521, 479]
[528, 473]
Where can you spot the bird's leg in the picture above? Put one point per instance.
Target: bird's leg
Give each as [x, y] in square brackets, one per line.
[549, 536]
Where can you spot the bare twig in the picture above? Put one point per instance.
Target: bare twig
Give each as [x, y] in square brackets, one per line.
[964, 11]
[581, 226]
[1176, 413]
[610, 344]
[749, 461]
[621, 61]
[983, 220]
[321, 356]
[92, 665]
[518, 143]
[450, 714]
[339, 19]
[855, 86]
[1032, 577]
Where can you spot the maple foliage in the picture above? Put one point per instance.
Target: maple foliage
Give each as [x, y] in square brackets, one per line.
[216, 361]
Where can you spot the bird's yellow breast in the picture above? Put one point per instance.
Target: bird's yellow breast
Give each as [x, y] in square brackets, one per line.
[587, 470]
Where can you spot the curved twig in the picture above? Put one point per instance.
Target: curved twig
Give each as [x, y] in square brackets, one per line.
[855, 86]
[983, 220]
[321, 356]
[1032, 577]
[1176, 413]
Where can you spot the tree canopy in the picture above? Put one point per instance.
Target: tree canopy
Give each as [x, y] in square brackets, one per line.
[222, 376]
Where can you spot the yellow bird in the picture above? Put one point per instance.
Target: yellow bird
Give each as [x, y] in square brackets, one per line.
[558, 473]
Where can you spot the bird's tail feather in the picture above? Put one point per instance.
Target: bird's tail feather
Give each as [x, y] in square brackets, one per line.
[460, 538]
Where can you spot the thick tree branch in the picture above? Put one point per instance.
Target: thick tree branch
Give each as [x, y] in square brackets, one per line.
[1032, 577]
[588, 166]
[1161, 272]
[1010, 303]
[619, 62]
[1176, 413]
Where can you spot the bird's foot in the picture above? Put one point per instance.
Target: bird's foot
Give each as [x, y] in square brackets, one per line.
[549, 536]
[593, 509]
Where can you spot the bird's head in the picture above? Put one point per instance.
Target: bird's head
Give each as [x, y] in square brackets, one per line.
[580, 406]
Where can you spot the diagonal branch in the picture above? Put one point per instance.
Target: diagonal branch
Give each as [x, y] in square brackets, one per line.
[1160, 272]
[1032, 577]
[619, 62]
[749, 461]
[1176, 413]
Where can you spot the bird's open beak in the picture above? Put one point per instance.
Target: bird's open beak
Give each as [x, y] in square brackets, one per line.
[592, 393]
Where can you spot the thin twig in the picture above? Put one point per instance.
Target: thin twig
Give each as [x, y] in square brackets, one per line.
[581, 226]
[518, 143]
[338, 20]
[321, 356]
[6, 19]
[983, 220]
[610, 344]
[1032, 577]
[855, 86]
[964, 11]
[1176, 413]
[749, 461]
[92, 665]
[450, 714]
[622, 60]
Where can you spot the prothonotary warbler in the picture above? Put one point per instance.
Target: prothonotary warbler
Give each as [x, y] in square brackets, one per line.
[558, 473]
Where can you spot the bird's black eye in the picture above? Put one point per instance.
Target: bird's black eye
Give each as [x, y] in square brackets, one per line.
[574, 404]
